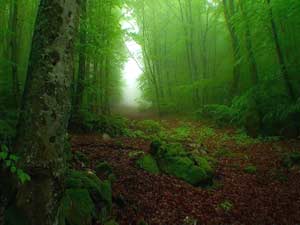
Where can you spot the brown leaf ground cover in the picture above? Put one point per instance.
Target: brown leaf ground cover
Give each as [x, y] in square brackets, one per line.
[271, 195]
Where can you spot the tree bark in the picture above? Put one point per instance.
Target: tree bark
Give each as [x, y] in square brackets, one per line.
[46, 108]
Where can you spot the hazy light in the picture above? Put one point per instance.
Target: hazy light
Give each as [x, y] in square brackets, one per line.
[132, 70]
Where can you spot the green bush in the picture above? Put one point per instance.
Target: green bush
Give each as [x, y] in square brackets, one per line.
[291, 159]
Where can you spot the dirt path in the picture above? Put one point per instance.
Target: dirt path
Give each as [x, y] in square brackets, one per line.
[271, 196]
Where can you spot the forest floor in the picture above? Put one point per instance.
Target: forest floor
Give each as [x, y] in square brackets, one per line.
[268, 195]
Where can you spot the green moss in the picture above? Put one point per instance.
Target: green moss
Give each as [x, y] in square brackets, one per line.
[148, 163]
[251, 169]
[86, 180]
[174, 160]
[77, 207]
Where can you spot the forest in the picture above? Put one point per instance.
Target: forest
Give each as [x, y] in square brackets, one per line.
[149, 112]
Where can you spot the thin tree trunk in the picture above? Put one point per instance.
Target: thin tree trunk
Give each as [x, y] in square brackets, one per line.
[229, 12]
[82, 59]
[280, 56]
[14, 51]
[45, 113]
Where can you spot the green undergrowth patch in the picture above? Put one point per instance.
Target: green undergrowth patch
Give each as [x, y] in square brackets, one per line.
[88, 122]
[291, 160]
[250, 169]
[226, 206]
[205, 133]
[149, 126]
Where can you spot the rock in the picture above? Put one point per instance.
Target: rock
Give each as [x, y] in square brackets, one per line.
[174, 160]
[106, 137]
[148, 163]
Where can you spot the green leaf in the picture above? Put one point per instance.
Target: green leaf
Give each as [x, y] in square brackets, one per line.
[8, 163]
[3, 155]
[13, 158]
[13, 169]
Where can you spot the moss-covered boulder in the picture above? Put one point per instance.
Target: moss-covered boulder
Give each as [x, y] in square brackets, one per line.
[99, 190]
[148, 163]
[86, 198]
[77, 207]
[174, 160]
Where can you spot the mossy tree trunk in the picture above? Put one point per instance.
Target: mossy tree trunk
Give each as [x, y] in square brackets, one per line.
[45, 112]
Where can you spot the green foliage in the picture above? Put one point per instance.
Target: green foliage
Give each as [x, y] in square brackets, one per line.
[242, 139]
[9, 161]
[148, 163]
[251, 169]
[291, 159]
[181, 133]
[221, 114]
[103, 168]
[205, 133]
[81, 157]
[226, 206]
[149, 126]
[112, 125]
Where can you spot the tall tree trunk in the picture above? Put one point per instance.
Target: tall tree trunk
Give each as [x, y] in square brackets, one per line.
[45, 111]
[82, 59]
[14, 51]
[280, 56]
[249, 47]
[229, 10]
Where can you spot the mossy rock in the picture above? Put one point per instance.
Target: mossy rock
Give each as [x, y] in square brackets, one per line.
[174, 160]
[99, 190]
[148, 163]
[77, 207]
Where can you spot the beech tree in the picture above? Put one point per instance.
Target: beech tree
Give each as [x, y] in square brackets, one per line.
[46, 110]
